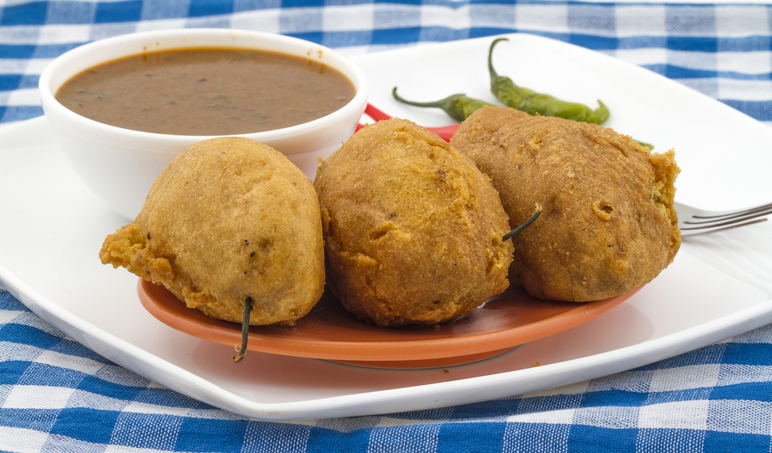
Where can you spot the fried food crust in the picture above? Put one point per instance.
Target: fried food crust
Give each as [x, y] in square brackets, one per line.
[229, 218]
[608, 225]
[413, 230]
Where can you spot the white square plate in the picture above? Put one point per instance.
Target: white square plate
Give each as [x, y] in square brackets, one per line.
[52, 227]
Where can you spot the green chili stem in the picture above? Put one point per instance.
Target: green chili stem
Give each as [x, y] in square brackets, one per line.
[457, 106]
[525, 224]
[244, 331]
[491, 70]
[439, 104]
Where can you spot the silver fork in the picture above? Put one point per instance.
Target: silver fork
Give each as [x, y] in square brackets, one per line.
[696, 222]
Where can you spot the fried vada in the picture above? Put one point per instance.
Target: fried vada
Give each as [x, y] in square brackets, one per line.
[229, 219]
[413, 230]
[608, 224]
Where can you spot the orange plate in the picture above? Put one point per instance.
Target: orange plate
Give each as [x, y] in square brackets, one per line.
[330, 332]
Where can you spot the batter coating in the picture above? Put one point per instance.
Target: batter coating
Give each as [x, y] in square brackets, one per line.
[608, 224]
[413, 230]
[229, 218]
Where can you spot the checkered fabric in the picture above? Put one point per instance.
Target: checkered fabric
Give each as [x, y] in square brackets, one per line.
[57, 395]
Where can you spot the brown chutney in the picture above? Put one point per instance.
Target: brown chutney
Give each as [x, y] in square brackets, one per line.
[207, 91]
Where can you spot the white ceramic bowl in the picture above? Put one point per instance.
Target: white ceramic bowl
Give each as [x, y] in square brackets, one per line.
[119, 165]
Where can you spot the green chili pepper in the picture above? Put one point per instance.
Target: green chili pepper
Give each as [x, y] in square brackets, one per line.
[244, 330]
[457, 106]
[524, 225]
[532, 102]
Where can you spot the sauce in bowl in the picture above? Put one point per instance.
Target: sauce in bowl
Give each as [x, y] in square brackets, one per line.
[207, 91]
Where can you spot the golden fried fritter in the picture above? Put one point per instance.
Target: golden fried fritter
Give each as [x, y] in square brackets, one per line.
[229, 218]
[413, 230]
[608, 224]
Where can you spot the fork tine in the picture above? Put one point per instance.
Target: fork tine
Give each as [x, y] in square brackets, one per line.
[711, 223]
[728, 219]
[694, 222]
[708, 229]
[759, 210]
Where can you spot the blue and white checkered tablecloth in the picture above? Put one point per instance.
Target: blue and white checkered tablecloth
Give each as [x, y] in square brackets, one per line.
[56, 395]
